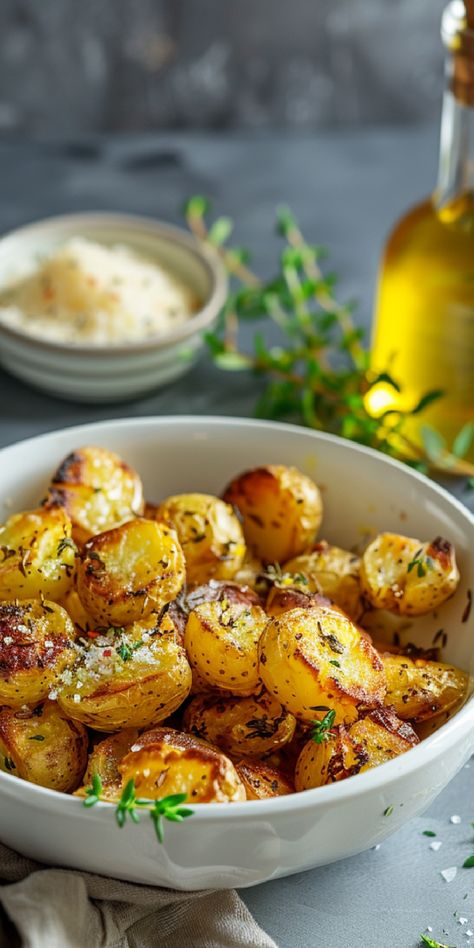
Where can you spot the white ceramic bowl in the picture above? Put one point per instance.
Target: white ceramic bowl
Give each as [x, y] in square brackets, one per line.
[240, 844]
[111, 373]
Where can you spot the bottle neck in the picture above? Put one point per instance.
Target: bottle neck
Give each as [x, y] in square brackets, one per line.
[456, 156]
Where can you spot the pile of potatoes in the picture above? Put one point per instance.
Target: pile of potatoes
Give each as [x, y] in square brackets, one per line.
[194, 645]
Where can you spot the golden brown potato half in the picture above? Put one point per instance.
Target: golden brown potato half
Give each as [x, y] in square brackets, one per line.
[250, 726]
[221, 640]
[418, 689]
[37, 555]
[406, 576]
[83, 622]
[209, 533]
[217, 591]
[127, 573]
[42, 746]
[332, 572]
[281, 510]
[104, 761]
[97, 490]
[261, 781]
[127, 677]
[316, 659]
[250, 572]
[36, 649]
[164, 761]
[372, 740]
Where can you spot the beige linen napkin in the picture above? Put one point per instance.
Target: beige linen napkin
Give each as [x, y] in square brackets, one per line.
[62, 908]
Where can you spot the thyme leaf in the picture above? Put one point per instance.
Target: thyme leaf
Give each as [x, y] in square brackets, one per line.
[129, 806]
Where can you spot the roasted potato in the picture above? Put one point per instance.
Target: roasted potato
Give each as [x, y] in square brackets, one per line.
[250, 572]
[281, 510]
[250, 726]
[43, 746]
[164, 761]
[83, 622]
[36, 649]
[418, 689]
[261, 781]
[127, 677]
[104, 761]
[129, 572]
[221, 640]
[406, 576]
[209, 533]
[37, 555]
[97, 490]
[284, 600]
[372, 740]
[316, 659]
[217, 591]
[332, 572]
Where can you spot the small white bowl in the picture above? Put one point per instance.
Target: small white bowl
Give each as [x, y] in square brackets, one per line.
[241, 844]
[120, 372]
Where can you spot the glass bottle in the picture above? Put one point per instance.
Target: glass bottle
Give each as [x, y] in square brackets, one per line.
[424, 318]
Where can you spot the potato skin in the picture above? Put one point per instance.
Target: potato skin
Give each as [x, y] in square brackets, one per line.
[37, 555]
[128, 677]
[418, 689]
[372, 740]
[129, 572]
[408, 577]
[104, 761]
[261, 781]
[164, 761]
[209, 533]
[281, 510]
[316, 659]
[334, 573]
[42, 746]
[284, 600]
[97, 490]
[221, 640]
[251, 727]
[36, 649]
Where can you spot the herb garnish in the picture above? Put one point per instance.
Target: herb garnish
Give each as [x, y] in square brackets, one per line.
[388, 811]
[129, 805]
[423, 564]
[319, 375]
[67, 543]
[321, 730]
[428, 833]
[469, 862]
[282, 580]
[36, 737]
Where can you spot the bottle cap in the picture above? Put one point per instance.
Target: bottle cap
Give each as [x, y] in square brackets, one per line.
[457, 31]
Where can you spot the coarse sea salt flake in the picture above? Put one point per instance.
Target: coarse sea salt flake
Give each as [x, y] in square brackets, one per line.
[48, 643]
[449, 874]
[8, 640]
[455, 819]
[76, 698]
[462, 920]
[436, 845]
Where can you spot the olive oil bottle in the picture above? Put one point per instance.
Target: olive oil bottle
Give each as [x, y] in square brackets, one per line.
[424, 318]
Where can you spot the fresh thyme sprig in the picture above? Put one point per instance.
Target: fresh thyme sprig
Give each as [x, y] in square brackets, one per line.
[431, 942]
[320, 373]
[128, 807]
[321, 730]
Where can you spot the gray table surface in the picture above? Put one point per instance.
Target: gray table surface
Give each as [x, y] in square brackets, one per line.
[346, 190]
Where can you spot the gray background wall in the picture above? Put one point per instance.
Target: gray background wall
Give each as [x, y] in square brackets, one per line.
[72, 66]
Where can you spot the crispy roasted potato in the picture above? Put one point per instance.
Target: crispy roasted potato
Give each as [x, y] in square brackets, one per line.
[43, 746]
[406, 576]
[36, 649]
[37, 555]
[97, 490]
[332, 572]
[261, 781]
[126, 573]
[83, 622]
[217, 591]
[104, 761]
[250, 726]
[316, 659]
[284, 600]
[250, 572]
[209, 533]
[418, 689]
[164, 761]
[281, 510]
[130, 677]
[372, 740]
[221, 640]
